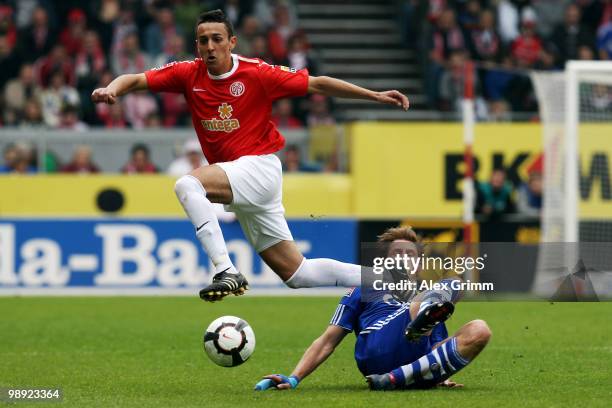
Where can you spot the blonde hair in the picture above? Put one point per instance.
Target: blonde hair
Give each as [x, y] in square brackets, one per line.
[395, 233]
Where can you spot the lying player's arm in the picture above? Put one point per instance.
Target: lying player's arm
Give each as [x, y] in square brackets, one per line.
[121, 85]
[314, 356]
[329, 86]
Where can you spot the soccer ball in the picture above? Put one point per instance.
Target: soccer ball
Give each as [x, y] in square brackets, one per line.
[229, 341]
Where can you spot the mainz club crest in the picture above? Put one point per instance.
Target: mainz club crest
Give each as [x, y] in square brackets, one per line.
[237, 88]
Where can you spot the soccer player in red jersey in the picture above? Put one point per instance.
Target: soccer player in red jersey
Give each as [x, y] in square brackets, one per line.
[230, 98]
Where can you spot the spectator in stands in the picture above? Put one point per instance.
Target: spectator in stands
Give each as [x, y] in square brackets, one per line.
[446, 38]
[485, 43]
[509, 14]
[138, 106]
[586, 53]
[526, 48]
[280, 33]
[32, 114]
[159, 33]
[19, 90]
[123, 26]
[249, 29]
[114, 117]
[174, 105]
[140, 161]
[9, 60]
[175, 51]
[7, 25]
[597, 98]
[72, 36]
[319, 112]
[469, 15]
[81, 162]
[529, 200]
[498, 78]
[550, 13]
[571, 35]
[452, 82]
[105, 13]
[55, 97]
[604, 40]
[56, 61]
[153, 121]
[293, 162]
[435, 10]
[9, 158]
[103, 110]
[282, 115]
[191, 159]
[298, 54]
[17, 159]
[90, 62]
[259, 49]
[499, 111]
[494, 198]
[37, 39]
[129, 59]
[69, 119]
[236, 10]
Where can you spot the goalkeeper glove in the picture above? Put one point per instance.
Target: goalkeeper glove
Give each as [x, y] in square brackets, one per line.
[277, 381]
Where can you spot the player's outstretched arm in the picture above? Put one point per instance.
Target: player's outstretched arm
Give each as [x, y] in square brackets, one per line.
[317, 353]
[121, 85]
[329, 86]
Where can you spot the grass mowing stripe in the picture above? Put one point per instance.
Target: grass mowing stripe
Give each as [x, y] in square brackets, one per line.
[148, 352]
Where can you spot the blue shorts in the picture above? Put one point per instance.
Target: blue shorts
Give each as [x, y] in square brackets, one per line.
[386, 349]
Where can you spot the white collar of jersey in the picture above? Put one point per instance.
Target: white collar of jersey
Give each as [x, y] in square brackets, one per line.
[228, 73]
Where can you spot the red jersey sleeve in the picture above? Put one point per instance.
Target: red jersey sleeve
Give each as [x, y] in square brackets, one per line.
[282, 82]
[171, 77]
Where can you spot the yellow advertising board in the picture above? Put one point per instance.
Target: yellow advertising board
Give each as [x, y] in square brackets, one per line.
[398, 170]
[416, 170]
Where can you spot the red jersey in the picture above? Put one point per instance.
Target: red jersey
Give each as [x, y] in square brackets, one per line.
[231, 112]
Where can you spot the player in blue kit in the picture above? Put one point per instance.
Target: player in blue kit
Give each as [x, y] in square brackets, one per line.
[400, 345]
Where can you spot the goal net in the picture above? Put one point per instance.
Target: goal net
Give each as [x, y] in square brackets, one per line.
[576, 219]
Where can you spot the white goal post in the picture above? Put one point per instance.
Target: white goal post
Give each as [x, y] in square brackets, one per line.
[576, 217]
[571, 103]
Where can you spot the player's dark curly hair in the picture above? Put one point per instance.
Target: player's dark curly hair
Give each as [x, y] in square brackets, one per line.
[216, 16]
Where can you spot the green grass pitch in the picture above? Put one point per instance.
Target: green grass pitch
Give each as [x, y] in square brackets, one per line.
[147, 352]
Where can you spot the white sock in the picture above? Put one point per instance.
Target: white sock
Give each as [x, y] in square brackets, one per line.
[199, 209]
[325, 272]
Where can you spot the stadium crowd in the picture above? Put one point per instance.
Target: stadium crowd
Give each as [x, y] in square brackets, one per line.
[505, 38]
[54, 53]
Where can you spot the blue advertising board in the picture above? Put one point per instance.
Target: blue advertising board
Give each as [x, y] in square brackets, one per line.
[143, 253]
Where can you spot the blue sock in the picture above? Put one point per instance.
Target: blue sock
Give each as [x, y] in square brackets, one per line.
[432, 368]
[440, 295]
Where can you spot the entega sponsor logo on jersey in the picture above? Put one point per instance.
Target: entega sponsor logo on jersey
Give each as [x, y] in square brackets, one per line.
[225, 124]
[288, 69]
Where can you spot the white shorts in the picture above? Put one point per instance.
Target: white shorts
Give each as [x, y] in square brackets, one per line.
[257, 187]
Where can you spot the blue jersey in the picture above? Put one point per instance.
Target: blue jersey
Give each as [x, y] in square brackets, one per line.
[379, 327]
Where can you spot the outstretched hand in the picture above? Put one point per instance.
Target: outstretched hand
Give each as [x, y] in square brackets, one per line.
[104, 95]
[278, 381]
[393, 98]
[450, 384]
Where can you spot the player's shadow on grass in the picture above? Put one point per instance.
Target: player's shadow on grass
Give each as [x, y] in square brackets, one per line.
[358, 387]
[341, 387]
